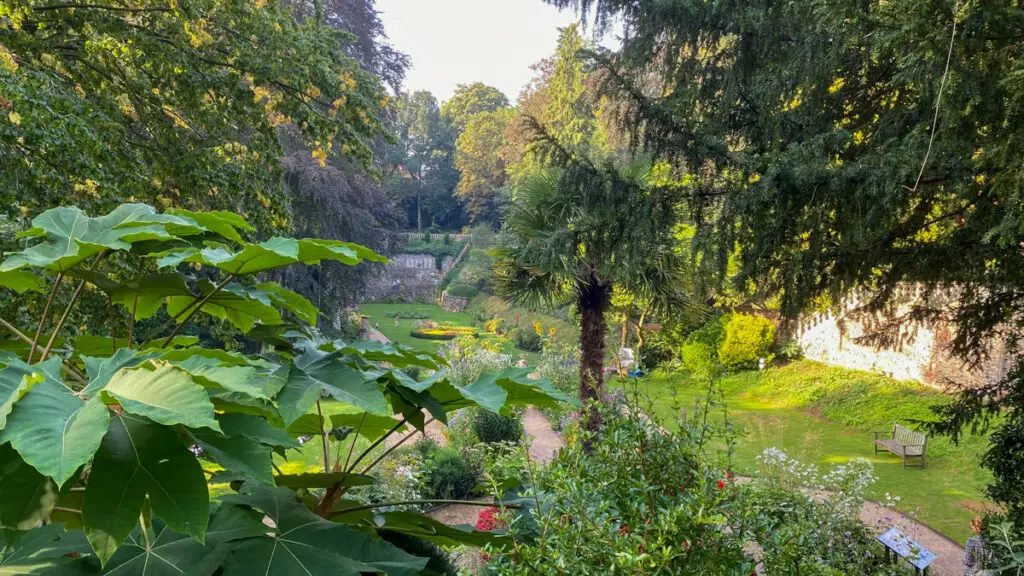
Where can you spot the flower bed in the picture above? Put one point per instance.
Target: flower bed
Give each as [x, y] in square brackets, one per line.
[443, 333]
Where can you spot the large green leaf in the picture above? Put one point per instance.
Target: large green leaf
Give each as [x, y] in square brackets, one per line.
[101, 370]
[15, 379]
[240, 305]
[341, 381]
[291, 301]
[400, 378]
[273, 253]
[140, 457]
[427, 528]
[28, 496]
[299, 394]
[257, 429]
[497, 392]
[145, 294]
[168, 553]
[398, 355]
[21, 281]
[369, 426]
[244, 379]
[44, 549]
[237, 453]
[302, 543]
[168, 395]
[53, 429]
[72, 236]
[219, 222]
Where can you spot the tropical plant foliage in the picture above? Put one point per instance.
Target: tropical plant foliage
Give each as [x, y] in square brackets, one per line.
[99, 435]
[578, 231]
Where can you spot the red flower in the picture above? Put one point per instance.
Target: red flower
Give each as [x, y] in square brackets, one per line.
[721, 484]
[489, 520]
[624, 529]
[729, 475]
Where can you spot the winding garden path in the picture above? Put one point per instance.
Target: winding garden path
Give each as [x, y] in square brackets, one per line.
[544, 443]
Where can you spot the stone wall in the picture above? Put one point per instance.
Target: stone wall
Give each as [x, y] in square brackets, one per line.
[915, 350]
[453, 303]
[406, 278]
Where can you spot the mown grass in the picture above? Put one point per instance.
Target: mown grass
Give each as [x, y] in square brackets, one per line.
[380, 316]
[825, 415]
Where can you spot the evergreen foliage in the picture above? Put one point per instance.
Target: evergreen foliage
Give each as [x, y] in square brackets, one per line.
[491, 428]
[846, 147]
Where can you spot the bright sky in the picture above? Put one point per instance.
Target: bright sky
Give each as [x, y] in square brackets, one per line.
[455, 42]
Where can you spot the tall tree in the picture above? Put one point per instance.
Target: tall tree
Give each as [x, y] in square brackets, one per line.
[177, 104]
[478, 156]
[471, 99]
[849, 146]
[340, 200]
[582, 229]
[559, 99]
[421, 165]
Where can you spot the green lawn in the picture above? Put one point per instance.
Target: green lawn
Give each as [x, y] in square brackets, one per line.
[379, 314]
[825, 415]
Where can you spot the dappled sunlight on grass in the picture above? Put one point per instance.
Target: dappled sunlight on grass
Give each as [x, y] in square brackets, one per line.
[825, 415]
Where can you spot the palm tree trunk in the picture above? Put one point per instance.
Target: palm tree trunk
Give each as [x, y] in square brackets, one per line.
[592, 303]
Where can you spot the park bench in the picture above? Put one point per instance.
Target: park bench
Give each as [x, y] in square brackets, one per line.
[902, 441]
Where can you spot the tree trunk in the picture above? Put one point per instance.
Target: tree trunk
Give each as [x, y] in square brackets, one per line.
[625, 332]
[592, 303]
[419, 213]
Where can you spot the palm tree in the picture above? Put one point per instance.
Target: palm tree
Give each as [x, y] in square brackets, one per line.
[578, 231]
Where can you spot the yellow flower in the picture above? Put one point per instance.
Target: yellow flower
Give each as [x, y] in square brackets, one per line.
[538, 329]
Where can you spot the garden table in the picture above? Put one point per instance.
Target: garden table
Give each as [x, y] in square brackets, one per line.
[898, 543]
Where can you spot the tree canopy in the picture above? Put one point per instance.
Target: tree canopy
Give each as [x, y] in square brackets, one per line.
[844, 146]
[177, 104]
[471, 99]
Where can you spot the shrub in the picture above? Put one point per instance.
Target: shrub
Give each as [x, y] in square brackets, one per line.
[426, 237]
[527, 339]
[701, 348]
[463, 291]
[649, 501]
[746, 339]
[446, 239]
[448, 475]
[492, 428]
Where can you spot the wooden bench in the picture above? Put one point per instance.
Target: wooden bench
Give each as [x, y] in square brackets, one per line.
[902, 441]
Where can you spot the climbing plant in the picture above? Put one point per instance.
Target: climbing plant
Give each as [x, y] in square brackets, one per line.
[109, 444]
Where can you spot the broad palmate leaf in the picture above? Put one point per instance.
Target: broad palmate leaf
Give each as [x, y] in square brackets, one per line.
[52, 428]
[71, 236]
[139, 457]
[167, 394]
[301, 543]
[273, 253]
